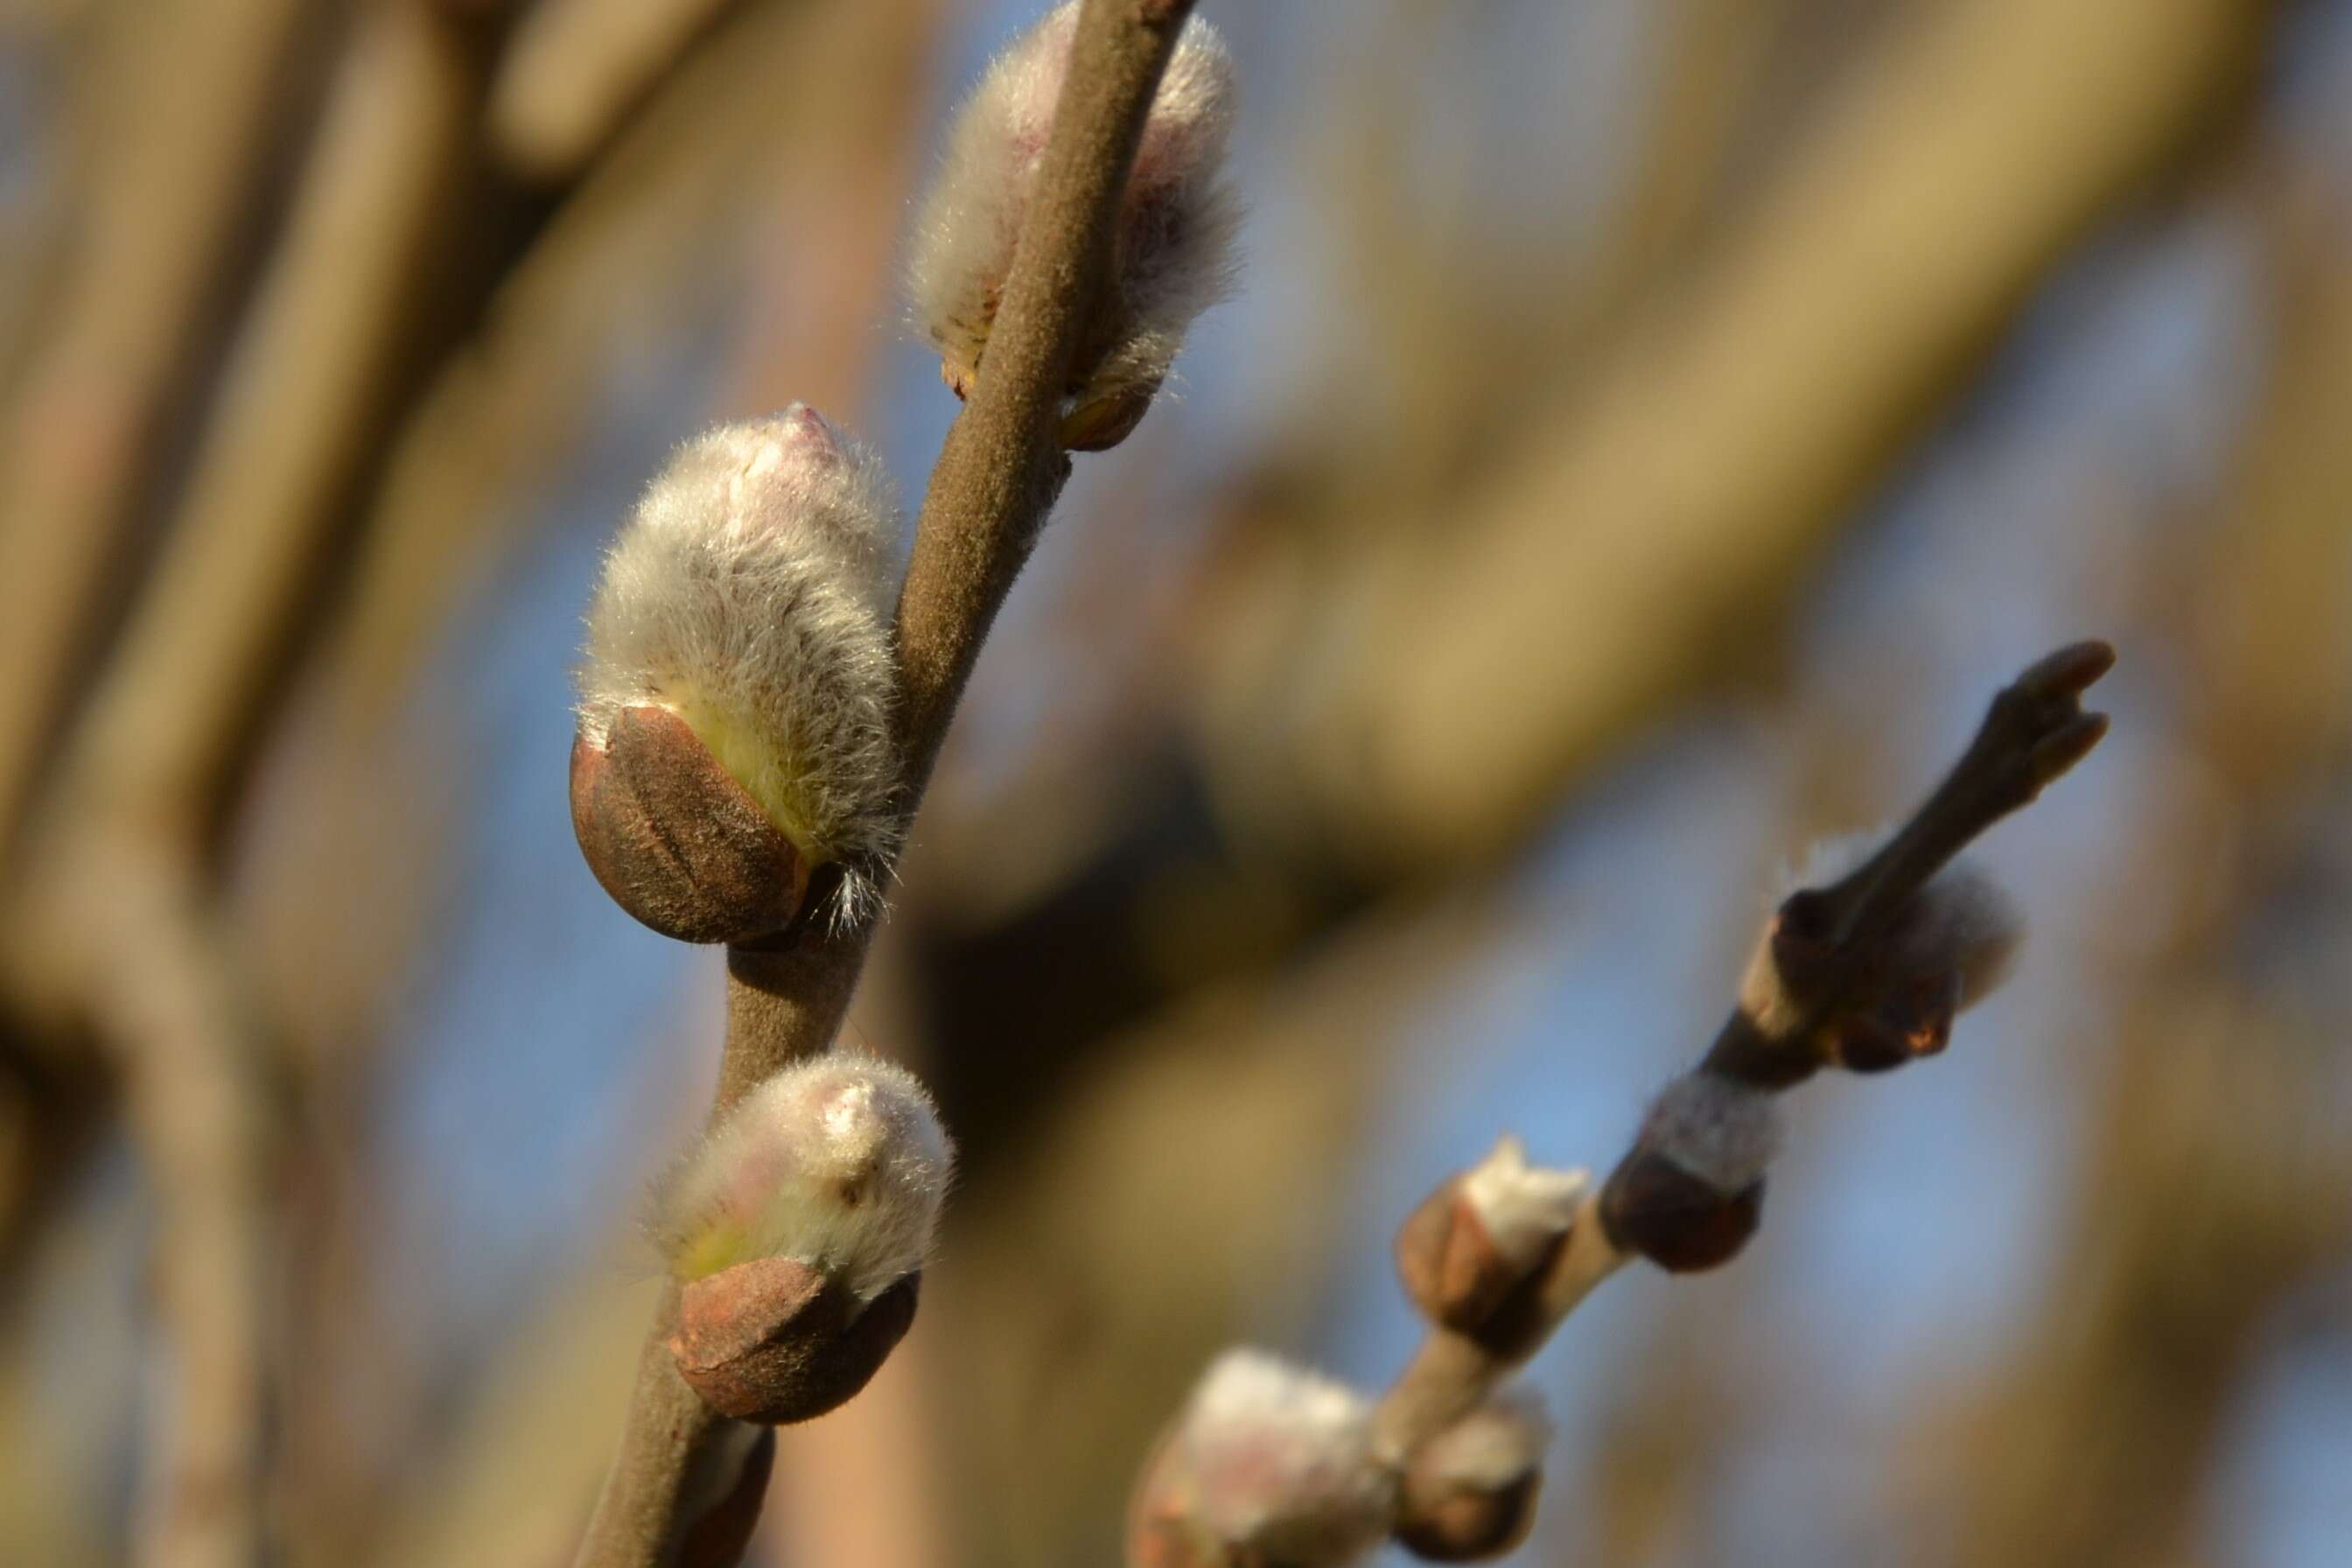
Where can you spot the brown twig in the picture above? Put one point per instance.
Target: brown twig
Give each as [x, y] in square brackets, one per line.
[997, 476]
[2034, 732]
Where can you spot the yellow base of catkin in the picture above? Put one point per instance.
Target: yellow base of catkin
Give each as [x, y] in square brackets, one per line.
[839, 1161]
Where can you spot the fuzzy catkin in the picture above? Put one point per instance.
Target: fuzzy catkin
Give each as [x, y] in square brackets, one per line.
[1961, 921]
[1525, 1208]
[1173, 246]
[839, 1161]
[750, 593]
[1270, 1457]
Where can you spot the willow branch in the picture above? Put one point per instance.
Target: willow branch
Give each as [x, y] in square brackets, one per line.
[999, 474]
[2034, 732]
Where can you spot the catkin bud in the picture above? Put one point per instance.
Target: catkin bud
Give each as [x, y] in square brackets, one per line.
[1469, 1492]
[1472, 1254]
[798, 1230]
[736, 694]
[1266, 1463]
[1691, 1190]
[838, 1161]
[1171, 253]
[1947, 949]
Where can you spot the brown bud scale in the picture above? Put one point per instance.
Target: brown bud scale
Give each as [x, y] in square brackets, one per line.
[1454, 1272]
[675, 839]
[773, 1341]
[1652, 1206]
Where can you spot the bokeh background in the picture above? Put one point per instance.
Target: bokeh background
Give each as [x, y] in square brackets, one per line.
[1646, 433]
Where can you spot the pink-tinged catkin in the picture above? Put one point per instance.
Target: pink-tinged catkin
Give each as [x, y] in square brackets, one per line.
[1266, 1463]
[838, 1161]
[749, 594]
[1173, 253]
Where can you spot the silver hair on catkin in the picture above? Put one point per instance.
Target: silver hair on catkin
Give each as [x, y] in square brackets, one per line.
[839, 1161]
[1172, 250]
[749, 595]
[1268, 1462]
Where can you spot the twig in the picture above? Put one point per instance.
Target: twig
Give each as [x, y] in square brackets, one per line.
[997, 476]
[2034, 732]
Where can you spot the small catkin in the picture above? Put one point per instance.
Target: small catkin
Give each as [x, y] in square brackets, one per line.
[1267, 1457]
[838, 1161]
[1469, 1493]
[1962, 923]
[1524, 1207]
[1173, 247]
[1719, 1129]
[750, 593]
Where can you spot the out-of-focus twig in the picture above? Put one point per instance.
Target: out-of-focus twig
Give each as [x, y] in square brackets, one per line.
[575, 67]
[191, 108]
[198, 1113]
[124, 866]
[177, 704]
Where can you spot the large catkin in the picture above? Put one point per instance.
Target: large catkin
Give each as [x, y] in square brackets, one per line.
[750, 593]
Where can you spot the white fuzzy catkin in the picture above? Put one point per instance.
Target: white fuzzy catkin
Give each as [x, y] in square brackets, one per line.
[838, 1161]
[1524, 1207]
[1721, 1130]
[1173, 250]
[1269, 1455]
[1966, 923]
[1962, 923]
[750, 593]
